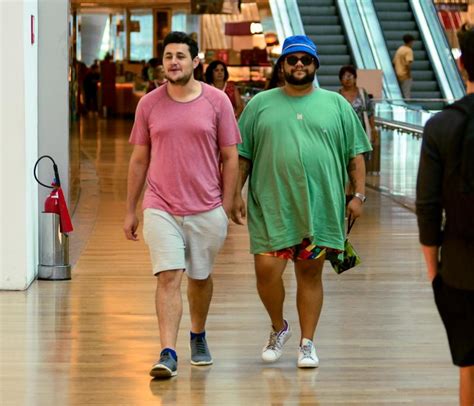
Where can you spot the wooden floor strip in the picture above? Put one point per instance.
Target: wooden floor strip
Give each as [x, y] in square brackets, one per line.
[92, 341]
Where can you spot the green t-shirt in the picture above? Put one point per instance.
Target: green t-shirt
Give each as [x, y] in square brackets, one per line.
[299, 148]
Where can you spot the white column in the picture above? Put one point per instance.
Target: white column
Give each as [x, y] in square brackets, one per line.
[19, 144]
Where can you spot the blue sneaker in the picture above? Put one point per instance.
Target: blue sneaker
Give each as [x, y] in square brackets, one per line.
[165, 367]
[200, 354]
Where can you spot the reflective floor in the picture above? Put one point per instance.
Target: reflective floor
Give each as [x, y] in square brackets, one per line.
[92, 340]
[399, 167]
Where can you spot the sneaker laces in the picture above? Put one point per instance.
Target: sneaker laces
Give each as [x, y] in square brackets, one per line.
[201, 345]
[273, 342]
[306, 350]
[163, 358]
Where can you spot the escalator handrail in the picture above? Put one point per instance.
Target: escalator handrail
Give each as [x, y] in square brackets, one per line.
[367, 42]
[288, 21]
[356, 41]
[280, 19]
[295, 17]
[437, 46]
[379, 48]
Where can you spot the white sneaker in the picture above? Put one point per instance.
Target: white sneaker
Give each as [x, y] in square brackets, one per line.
[307, 357]
[274, 347]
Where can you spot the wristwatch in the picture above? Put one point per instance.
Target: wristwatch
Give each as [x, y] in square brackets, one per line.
[361, 197]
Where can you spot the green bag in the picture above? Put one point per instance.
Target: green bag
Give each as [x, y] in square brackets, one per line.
[350, 258]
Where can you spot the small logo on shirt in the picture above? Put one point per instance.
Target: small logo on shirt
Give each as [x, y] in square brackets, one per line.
[299, 116]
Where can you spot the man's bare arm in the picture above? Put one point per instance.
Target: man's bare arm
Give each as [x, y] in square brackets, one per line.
[244, 170]
[356, 171]
[230, 162]
[238, 209]
[137, 171]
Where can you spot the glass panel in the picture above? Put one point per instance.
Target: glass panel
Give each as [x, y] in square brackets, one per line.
[178, 21]
[399, 159]
[141, 35]
[403, 114]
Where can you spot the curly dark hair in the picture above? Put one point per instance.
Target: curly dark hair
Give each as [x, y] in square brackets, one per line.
[177, 37]
[407, 38]
[347, 68]
[210, 69]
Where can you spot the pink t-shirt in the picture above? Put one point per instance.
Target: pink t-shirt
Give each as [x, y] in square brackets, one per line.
[184, 175]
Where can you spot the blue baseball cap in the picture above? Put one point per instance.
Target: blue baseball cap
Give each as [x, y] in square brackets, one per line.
[299, 43]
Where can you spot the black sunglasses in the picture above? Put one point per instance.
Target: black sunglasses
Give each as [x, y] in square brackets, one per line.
[305, 60]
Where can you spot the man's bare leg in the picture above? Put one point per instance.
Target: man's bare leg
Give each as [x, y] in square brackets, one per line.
[269, 272]
[309, 294]
[466, 386]
[169, 306]
[199, 298]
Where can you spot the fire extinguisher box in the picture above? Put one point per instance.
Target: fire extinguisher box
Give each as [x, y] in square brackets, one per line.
[54, 249]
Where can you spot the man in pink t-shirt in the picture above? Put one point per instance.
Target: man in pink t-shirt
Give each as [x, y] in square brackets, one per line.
[184, 133]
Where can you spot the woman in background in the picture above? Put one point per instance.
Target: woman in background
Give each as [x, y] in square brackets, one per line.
[217, 75]
[364, 108]
[358, 98]
[277, 79]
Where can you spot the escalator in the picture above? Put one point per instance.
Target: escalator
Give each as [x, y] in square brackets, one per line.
[322, 24]
[396, 19]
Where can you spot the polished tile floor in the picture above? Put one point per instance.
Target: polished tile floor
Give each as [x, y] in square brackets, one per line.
[92, 340]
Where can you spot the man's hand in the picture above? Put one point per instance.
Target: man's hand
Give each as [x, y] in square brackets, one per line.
[239, 211]
[354, 208]
[130, 227]
[431, 273]
[431, 254]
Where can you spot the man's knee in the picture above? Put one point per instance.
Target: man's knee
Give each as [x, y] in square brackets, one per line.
[267, 275]
[200, 283]
[269, 269]
[267, 278]
[310, 270]
[169, 280]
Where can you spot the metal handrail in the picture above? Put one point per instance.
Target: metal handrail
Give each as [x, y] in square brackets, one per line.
[415, 100]
[399, 126]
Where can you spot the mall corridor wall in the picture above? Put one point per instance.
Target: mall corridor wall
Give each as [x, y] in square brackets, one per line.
[19, 143]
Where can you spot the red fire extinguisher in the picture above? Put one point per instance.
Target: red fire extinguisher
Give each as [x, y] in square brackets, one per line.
[55, 202]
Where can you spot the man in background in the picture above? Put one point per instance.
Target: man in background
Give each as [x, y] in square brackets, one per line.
[402, 62]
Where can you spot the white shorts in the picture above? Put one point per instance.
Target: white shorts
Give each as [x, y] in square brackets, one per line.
[185, 242]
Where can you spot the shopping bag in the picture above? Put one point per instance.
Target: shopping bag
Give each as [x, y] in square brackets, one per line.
[350, 258]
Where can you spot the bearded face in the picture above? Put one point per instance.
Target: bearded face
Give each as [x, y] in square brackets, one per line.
[299, 69]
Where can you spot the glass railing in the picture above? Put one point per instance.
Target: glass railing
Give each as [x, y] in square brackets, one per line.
[401, 128]
[441, 57]
[404, 119]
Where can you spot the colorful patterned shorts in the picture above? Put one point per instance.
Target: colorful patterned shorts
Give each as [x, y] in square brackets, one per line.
[303, 251]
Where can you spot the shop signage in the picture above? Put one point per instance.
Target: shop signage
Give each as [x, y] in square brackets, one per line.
[460, 7]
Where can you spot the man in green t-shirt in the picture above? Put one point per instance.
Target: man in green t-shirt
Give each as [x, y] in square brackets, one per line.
[300, 143]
